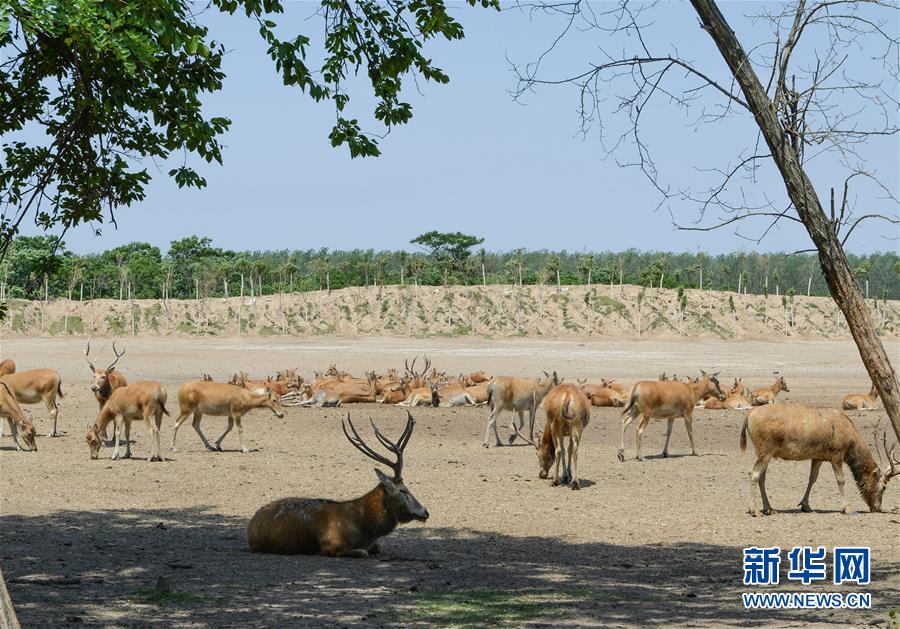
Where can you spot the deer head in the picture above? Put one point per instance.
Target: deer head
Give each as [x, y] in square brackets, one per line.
[101, 376]
[712, 385]
[546, 451]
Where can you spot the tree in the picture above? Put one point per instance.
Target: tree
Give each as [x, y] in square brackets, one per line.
[117, 85]
[790, 115]
[449, 250]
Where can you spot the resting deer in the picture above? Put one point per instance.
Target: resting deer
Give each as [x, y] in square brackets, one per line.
[667, 400]
[7, 366]
[766, 395]
[105, 380]
[621, 389]
[518, 395]
[801, 433]
[219, 399]
[142, 400]
[600, 395]
[11, 413]
[568, 413]
[419, 396]
[860, 402]
[292, 526]
[739, 398]
[37, 385]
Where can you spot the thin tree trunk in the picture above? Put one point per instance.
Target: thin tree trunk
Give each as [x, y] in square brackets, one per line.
[835, 266]
[483, 276]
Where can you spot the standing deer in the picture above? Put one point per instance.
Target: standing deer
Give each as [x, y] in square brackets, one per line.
[142, 400]
[766, 395]
[518, 395]
[801, 433]
[11, 413]
[568, 413]
[37, 385]
[669, 400]
[858, 401]
[105, 380]
[7, 366]
[223, 400]
[292, 526]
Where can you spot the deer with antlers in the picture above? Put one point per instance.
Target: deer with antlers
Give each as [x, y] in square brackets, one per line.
[766, 395]
[669, 400]
[11, 413]
[506, 393]
[7, 366]
[35, 386]
[802, 433]
[222, 400]
[105, 380]
[859, 401]
[139, 401]
[292, 526]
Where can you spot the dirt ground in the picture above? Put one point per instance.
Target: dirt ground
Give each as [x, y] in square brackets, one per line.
[84, 542]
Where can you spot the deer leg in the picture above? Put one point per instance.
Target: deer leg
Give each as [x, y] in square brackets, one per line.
[227, 430]
[54, 414]
[557, 445]
[117, 430]
[838, 467]
[669, 424]
[767, 507]
[492, 425]
[127, 438]
[813, 475]
[689, 426]
[626, 421]
[195, 423]
[638, 433]
[240, 427]
[175, 428]
[755, 473]
[570, 455]
[514, 435]
[13, 432]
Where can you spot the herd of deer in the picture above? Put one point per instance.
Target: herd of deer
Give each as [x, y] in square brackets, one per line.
[352, 528]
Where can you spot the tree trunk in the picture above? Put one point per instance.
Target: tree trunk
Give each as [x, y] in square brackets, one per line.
[809, 287]
[483, 276]
[833, 260]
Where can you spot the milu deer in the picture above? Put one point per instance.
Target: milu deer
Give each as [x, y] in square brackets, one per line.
[7, 366]
[766, 395]
[669, 400]
[11, 413]
[105, 380]
[221, 400]
[37, 385]
[292, 526]
[145, 401]
[568, 413]
[802, 433]
[333, 393]
[506, 393]
[600, 395]
[739, 398]
[859, 401]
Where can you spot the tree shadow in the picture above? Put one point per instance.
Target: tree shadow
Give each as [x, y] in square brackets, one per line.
[101, 568]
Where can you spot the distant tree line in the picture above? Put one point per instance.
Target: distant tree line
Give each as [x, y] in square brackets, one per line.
[37, 267]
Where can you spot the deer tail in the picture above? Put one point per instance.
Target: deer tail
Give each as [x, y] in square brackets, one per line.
[744, 433]
[59, 388]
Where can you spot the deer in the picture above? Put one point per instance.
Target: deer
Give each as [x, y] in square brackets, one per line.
[419, 396]
[670, 400]
[144, 400]
[568, 413]
[621, 389]
[478, 377]
[859, 401]
[7, 366]
[506, 393]
[105, 380]
[221, 400]
[37, 385]
[739, 398]
[292, 526]
[801, 433]
[600, 395]
[766, 395]
[11, 413]
[333, 393]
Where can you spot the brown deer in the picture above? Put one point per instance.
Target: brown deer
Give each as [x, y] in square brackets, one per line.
[292, 526]
[801, 433]
[12, 414]
[221, 400]
[37, 385]
[600, 395]
[621, 389]
[7, 366]
[506, 393]
[568, 413]
[667, 400]
[105, 380]
[426, 395]
[860, 402]
[144, 400]
[766, 395]
[739, 398]
[333, 393]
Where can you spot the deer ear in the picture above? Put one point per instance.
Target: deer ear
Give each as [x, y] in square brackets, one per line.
[110, 370]
[386, 481]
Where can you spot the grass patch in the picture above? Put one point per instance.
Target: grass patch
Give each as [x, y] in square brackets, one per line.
[602, 301]
[76, 325]
[484, 608]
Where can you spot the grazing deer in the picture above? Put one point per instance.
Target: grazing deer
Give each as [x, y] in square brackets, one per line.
[600, 395]
[7, 366]
[518, 395]
[222, 400]
[860, 402]
[801, 433]
[568, 413]
[105, 380]
[766, 395]
[292, 526]
[144, 400]
[37, 385]
[665, 400]
[12, 414]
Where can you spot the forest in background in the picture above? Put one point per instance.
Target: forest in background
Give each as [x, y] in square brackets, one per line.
[41, 268]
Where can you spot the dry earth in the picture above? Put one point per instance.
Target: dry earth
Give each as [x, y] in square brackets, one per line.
[83, 542]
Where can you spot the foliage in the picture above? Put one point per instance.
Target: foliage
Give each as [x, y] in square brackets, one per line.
[450, 251]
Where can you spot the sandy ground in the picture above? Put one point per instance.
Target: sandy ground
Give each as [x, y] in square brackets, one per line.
[84, 542]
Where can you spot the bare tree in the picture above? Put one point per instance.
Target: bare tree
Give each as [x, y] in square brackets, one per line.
[825, 100]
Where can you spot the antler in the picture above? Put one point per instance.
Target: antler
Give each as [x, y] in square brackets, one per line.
[427, 365]
[395, 447]
[118, 355]
[87, 352]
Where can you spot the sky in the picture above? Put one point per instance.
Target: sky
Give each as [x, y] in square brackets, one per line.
[518, 174]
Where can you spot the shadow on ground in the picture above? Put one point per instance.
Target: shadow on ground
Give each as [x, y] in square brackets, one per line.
[101, 568]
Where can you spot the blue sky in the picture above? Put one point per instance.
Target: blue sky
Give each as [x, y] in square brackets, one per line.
[472, 159]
